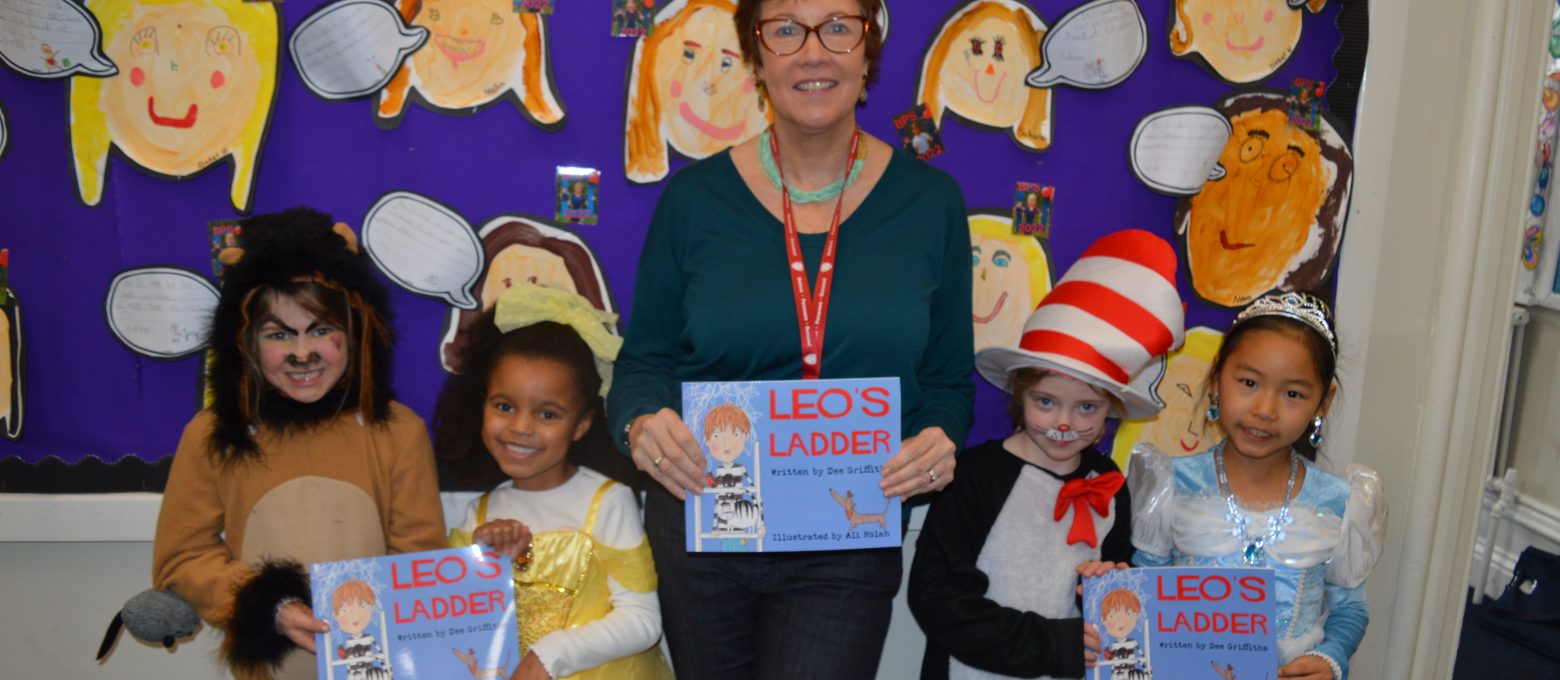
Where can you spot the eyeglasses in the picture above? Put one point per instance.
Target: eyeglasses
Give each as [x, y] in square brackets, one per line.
[840, 35]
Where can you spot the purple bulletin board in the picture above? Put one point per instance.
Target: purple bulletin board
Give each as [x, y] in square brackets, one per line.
[92, 403]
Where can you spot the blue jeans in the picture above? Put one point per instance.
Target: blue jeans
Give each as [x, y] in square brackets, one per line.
[813, 615]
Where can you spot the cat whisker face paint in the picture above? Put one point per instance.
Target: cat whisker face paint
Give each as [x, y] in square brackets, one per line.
[1066, 434]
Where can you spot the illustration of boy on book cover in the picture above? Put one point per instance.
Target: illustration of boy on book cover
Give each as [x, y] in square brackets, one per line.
[785, 457]
[738, 512]
[355, 608]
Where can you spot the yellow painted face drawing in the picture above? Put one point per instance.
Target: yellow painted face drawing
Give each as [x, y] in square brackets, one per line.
[478, 51]
[1012, 273]
[690, 88]
[195, 86]
[1275, 220]
[1243, 41]
[1181, 428]
[10, 369]
[976, 68]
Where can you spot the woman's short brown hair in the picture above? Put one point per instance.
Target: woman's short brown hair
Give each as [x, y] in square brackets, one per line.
[747, 34]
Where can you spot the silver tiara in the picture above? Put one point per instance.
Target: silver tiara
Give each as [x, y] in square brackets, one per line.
[1302, 307]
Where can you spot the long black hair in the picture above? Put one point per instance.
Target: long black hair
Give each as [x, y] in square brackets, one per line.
[457, 417]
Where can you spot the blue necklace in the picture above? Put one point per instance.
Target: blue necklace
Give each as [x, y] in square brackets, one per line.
[766, 158]
[1254, 548]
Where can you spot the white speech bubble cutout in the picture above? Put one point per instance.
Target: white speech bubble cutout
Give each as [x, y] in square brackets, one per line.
[1175, 151]
[160, 312]
[52, 39]
[352, 48]
[5, 132]
[1094, 46]
[425, 247]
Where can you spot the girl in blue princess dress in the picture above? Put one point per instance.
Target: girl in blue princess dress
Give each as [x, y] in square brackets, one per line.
[1260, 499]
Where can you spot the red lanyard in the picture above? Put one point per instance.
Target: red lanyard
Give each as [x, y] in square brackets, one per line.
[812, 312]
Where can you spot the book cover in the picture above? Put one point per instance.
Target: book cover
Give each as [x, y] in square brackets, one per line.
[793, 465]
[436, 614]
[1183, 622]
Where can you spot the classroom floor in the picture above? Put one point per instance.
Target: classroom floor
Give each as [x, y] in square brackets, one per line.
[1482, 653]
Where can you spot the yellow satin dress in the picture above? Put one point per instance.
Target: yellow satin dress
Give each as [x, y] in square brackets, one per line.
[565, 586]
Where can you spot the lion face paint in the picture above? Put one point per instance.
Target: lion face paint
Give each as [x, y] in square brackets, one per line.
[1243, 41]
[1275, 219]
[478, 51]
[976, 68]
[1011, 273]
[689, 87]
[195, 86]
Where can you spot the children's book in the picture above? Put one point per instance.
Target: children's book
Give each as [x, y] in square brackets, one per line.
[436, 614]
[1183, 622]
[793, 465]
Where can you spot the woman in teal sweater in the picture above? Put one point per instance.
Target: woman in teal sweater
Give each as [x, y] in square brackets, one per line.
[713, 301]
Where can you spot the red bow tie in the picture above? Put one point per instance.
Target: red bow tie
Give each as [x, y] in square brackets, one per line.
[1082, 494]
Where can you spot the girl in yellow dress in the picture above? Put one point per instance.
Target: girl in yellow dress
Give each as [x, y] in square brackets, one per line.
[526, 409]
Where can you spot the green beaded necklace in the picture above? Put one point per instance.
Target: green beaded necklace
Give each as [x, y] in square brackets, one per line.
[766, 158]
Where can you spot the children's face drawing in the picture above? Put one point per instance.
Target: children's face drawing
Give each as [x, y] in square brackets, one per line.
[301, 355]
[188, 85]
[534, 412]
[1268, 394]
[1242, 40]
[1246, 230]
[813, 88]
[1120, 622]
[983, 76]
[354, 615]
[708, 94]
[1181, 428]
[1062, 404]
[1002, 300]
[726, 444]
[522, 263]
[473, 54]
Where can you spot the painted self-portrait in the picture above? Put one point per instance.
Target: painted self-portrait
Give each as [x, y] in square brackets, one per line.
[195, 86]
[478, 51]
[1011, 274]
[1181, 428]
[976, 66]
[688, 89]
[1242, 41]
[11, 392]
[524, 250]
[1274, 221]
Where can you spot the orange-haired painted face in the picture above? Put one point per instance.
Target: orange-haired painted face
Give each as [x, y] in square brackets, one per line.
[1246, 230]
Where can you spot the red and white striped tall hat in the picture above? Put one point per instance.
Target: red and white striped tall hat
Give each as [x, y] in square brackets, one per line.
[1110, 318]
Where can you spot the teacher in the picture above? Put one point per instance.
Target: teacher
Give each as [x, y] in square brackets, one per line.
[882, 244]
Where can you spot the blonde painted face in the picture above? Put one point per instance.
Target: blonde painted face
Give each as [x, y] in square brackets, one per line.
[983, 75]
[474, 51]
[1002, 300]
[1181, 429]
[188, 84]
[707, 93]
[1246, 231]
[520, 263]
[1242, 40]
